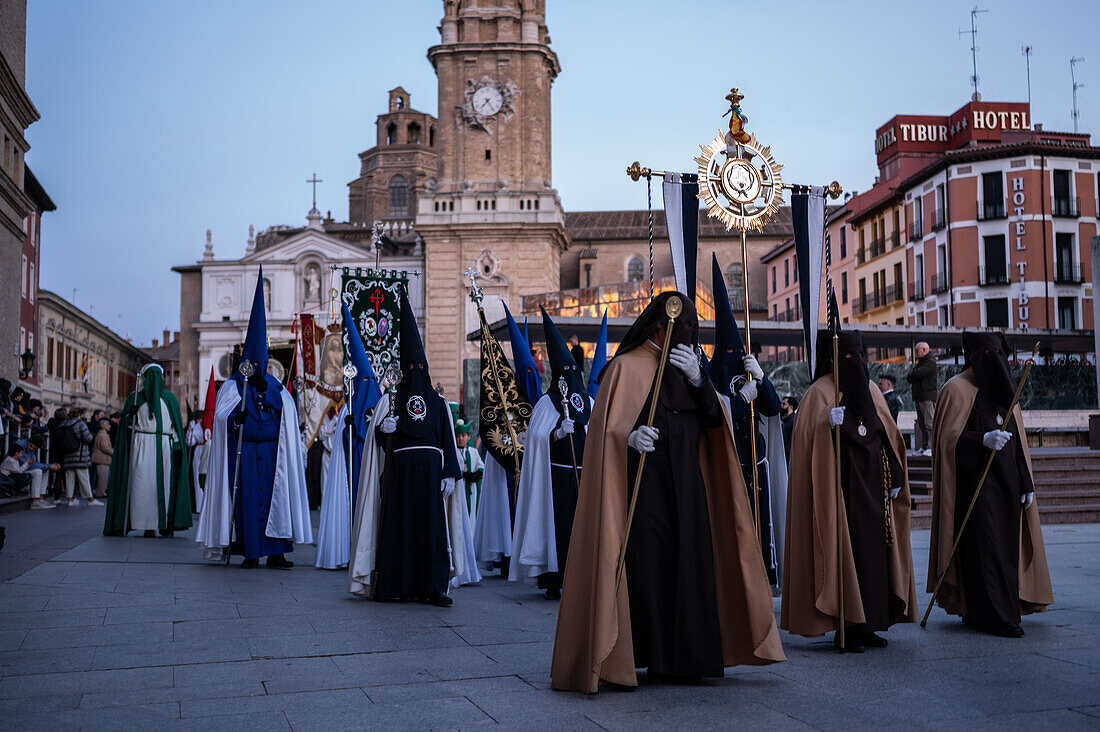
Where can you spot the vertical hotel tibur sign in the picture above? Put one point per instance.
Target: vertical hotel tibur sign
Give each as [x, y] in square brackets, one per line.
[1023, 311]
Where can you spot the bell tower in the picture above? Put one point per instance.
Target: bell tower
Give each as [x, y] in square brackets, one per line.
[494, 207]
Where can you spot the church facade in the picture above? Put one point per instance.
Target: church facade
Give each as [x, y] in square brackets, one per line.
[468, 187]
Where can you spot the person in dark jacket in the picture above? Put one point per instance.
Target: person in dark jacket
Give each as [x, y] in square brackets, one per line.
[925, 387]
[787, 409]
[886, 384]
[78, 459]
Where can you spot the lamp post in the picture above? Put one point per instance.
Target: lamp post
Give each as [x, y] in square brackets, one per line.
[27, 363]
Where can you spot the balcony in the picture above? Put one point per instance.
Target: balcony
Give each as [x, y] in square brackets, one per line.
[916, 230]
[989, 210]
[1067, 273]
[916, 291]
[861, 255]
[939, 283]
[939, 219]
[790, 315]
[991, 276]
[895, 240]
[878, 248]
[1068, 207]
[877, 299]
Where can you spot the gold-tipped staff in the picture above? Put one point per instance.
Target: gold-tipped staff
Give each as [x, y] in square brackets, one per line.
[673, 307]
[744, 196]
[981, 482]
[564, 389]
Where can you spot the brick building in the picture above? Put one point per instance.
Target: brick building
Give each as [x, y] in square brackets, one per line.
[30, 268]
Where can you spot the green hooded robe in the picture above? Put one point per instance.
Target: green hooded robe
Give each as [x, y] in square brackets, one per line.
[176, 516]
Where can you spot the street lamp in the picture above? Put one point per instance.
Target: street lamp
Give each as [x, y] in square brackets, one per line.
[27, 360]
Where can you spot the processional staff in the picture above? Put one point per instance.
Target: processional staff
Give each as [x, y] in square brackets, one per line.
[746, 195]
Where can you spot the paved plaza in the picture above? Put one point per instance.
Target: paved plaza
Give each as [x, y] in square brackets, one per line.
[140, 633]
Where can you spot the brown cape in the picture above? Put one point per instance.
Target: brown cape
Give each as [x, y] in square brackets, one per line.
[593, 639]
[810, 606]
[953, 407]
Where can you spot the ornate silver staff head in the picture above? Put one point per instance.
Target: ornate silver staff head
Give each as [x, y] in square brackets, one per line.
[247, 368]
[476, 293]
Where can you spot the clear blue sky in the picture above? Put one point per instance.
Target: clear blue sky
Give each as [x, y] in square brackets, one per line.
[162, 119]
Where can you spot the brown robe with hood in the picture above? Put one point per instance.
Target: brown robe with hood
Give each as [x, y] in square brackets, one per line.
[594, 639]
[810, 604]
[956, 400]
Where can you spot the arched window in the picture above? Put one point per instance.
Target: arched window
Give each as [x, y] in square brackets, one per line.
[399, 197]
[635, 269]
[399, 103]
[391, 133]
[735, 283]
[431, 137]
[413, 134]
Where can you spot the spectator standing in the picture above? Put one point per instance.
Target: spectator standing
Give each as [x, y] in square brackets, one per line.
[925, 387]
[54, 452]
[576, 351]
[787, 409]
[886, 384]
[101, 456]
[75, 441]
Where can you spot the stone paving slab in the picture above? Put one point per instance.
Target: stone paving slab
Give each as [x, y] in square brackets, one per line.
[140, 633]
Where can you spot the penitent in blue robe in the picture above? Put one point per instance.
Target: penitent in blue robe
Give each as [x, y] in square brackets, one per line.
[259, 453]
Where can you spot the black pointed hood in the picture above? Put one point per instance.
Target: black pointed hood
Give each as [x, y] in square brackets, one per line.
[727, 368]
[987, 355]
[564, 372]
[416, 402]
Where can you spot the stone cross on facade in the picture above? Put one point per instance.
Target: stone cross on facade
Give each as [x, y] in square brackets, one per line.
[314, 180]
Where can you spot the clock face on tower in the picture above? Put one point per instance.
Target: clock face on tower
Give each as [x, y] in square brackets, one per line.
[487, 101]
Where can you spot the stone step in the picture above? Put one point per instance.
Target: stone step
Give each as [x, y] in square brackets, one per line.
[1081, 513]
[17, 503]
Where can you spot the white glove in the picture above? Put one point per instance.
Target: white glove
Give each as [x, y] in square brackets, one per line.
[1027, 499]
[749, 391]
[389, 425]
[566, 428]
[683, 358]
[836, 416]
[448, 487]
[895, 492]
[643, 439]
[752, 366]
[996, 439]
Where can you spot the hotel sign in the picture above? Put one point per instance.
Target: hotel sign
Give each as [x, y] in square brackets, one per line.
[909, 134]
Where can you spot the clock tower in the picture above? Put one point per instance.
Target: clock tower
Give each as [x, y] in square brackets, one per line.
[493, 207]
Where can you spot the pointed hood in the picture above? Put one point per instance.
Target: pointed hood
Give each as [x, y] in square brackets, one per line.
[527, 372]
[208, 408]
[599, 358]
[255, 340]
[416, 402]
[727, 368]
[365, 391]
[564, 372]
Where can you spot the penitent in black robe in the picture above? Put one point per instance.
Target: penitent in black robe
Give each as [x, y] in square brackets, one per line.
[863, 480]
[564, 488]
[669, 559]
[989, 550]
[413, 561]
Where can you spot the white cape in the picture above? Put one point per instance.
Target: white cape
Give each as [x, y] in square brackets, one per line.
[534, 540]
[463, 563]
[334, 527]
[493, 524]
[288, 517]
[197, 440]
[364, 548]
[777, 483]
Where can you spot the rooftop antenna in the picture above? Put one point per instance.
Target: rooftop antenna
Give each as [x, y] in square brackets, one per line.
[1026, 51]
[1073, 77]
[976, 97]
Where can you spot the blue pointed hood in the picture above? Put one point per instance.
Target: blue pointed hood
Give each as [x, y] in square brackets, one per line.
[255, 340]
[599, 358]
[366, 392]
[527, 372]
[729, 348]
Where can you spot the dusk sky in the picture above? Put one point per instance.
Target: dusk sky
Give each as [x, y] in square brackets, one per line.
[163, 119]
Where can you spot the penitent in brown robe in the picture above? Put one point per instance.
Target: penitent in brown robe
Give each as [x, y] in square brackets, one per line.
[810, 603]
[954, 409]
[594, 638]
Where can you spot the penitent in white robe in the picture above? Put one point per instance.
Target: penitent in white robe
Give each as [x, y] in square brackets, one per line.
[334, 525]
[144, 506]
[493, 524]
[197, 440]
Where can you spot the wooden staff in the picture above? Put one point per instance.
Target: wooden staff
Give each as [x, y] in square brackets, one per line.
[981, 482]
[673, 307]
[564, 389]
[752, 407]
